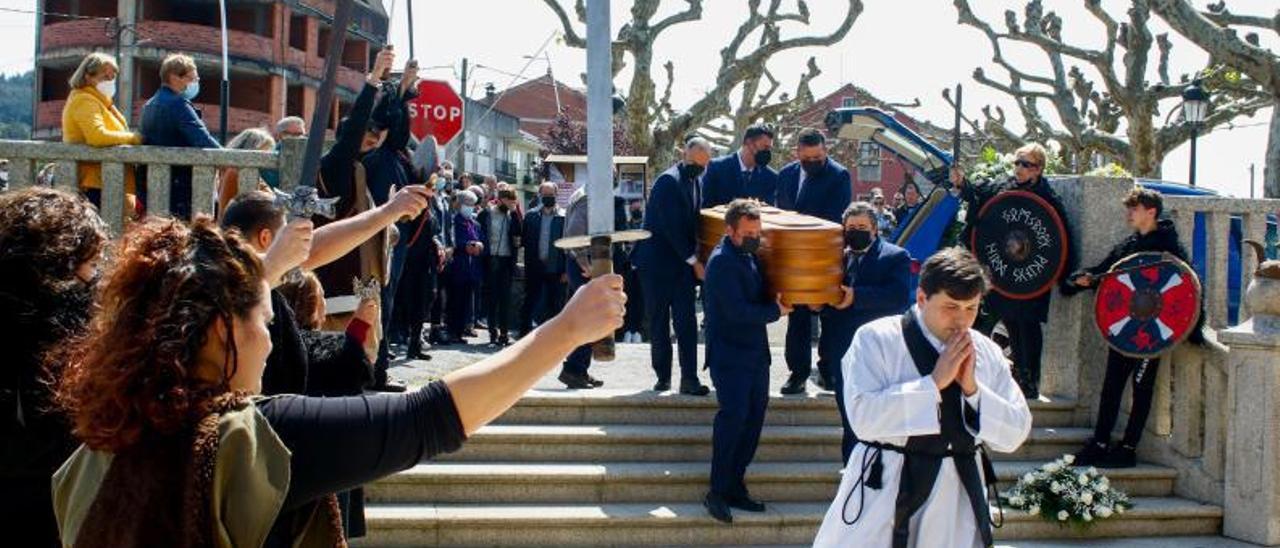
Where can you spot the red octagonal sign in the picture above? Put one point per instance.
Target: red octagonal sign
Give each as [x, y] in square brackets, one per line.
[436, 111]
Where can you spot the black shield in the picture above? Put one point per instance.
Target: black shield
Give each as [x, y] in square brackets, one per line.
[1023, 243]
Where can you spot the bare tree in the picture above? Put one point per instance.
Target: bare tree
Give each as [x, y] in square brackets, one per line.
[1215, 31]
[1118, 118]
[654, 125]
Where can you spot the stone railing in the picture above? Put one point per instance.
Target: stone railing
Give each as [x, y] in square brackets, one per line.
[1214, 409]
[28, 158]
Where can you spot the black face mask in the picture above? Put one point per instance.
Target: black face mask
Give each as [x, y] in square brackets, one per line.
[750, 244]
[548, 201]
[636, 214]
[502, 208]
[763, 157]
[813, 167]
[691, 171]
[857, 240]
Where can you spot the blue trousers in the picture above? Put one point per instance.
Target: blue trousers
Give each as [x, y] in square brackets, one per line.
[580, 359]
[669, 299]
[743, 393]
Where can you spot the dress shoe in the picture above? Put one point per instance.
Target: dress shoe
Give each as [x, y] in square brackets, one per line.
[1091, 454]
[576, 382]
[662, 386]
[594, 381]
[390, 386]
[745, 503]
[821, 382]
[694, 389]
[794, 385]
[417, 354]
[1120, 456]
[718, 508]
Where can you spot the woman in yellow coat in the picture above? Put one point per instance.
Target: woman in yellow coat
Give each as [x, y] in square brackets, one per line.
[90, 118]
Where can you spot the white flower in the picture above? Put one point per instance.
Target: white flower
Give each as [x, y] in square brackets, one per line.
[1087, 498]
[1068, 458]
[1104, 480]
[1092, 471]
[1034, 510]
[1102, 487]
[1083, 479]
[1052, 467]
[1119, 509]
[1015, 500]
[1104, 511]
[1086, 516]
[1028, 478]
[1055, 487]
[1062, 515]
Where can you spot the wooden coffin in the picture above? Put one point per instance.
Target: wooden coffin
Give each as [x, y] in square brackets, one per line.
[801, 254]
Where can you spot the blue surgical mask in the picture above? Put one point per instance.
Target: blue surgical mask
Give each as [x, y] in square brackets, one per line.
[468, 212]
[193, 89]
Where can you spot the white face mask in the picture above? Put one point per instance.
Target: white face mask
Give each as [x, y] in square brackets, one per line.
[107, 88]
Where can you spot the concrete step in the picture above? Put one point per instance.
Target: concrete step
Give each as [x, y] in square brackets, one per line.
[626, 406]
[665, 481]
[689, 524]
[684, 443]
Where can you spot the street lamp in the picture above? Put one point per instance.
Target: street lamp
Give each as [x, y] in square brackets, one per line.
[1195, 105]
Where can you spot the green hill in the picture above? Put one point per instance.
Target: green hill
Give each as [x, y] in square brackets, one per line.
[15, 105]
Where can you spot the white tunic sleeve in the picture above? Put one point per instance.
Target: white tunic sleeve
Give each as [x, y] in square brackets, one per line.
[1004, 418]
[881, 401]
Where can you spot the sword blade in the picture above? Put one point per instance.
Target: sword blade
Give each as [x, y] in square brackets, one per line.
[599, 119]
[324, 97]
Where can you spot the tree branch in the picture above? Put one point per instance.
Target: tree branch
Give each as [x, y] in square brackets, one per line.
[1222, 43]
[571, 36]
[692, 13]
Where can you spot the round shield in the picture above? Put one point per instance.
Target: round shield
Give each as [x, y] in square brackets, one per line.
[1147, 303]
[1023, 243]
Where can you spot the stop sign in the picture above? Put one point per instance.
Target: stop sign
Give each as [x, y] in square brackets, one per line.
[436, 111]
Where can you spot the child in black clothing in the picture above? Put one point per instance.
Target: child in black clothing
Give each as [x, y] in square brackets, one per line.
[1150, 234]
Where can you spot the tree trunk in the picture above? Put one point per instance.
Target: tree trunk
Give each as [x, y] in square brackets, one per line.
[1144, 159]
[1271, 171]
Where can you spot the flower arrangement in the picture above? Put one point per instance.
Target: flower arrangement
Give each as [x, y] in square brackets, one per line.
[991, 165]
[1061, 493]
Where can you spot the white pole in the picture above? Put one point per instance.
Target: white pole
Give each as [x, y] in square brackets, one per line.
[599, 119]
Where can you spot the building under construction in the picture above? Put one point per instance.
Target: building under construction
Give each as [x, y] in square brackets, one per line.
[276, 51]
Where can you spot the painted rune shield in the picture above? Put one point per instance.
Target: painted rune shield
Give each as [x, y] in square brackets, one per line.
[1022, 241]
[1147, 303]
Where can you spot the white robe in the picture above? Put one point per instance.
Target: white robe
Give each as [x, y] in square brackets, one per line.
[887, 401]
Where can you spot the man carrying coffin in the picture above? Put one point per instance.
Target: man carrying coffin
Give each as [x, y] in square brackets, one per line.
[925, 394]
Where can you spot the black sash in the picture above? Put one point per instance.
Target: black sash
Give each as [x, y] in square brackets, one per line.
[923, 455]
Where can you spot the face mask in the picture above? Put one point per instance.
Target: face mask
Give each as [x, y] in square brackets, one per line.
[502, 208]
[193, 89]
[107, 88]
[750, 244]
[691, 171]
[441, 184]
[468, 212]
[762, 157]
[857, 240]
[813, 167]
[548, 202]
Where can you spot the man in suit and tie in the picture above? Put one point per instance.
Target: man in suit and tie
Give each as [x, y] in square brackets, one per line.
[669, 267]
[745, 173]
[544, 264]
[814, 185]
[876, 284]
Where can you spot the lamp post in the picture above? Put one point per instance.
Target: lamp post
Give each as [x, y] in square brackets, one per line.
[1195, 105]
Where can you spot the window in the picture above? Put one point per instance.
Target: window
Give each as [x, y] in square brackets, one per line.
[868, 162]
[847, 102]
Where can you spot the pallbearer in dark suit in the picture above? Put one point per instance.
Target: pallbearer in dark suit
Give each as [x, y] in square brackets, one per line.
[745, 173]
[814, 185]
[669, 267]
[544, 263]
[876, 284]
[737, 311]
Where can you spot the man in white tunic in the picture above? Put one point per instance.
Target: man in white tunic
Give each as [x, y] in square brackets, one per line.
[925, 395]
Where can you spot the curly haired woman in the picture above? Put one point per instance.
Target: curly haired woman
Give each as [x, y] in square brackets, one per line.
[51, 241]
[178, 452]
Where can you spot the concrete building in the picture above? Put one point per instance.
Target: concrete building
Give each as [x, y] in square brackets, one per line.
[490, 134]
[276, 50]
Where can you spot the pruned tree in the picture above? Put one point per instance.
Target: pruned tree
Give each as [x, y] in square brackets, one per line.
[654, 125]
[1119, 118]
[1217, 30]
[567, 136]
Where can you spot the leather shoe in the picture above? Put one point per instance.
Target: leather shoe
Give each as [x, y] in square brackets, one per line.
[745, 503]
[594, 381]
[694, 389]
[417, 354]
[718, 508]
[390, 386]
[577, 382]
[662, 386]
[794, 385]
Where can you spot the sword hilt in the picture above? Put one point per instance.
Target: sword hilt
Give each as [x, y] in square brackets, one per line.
[602, 265]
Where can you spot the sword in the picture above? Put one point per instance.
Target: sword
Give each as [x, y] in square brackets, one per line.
[303, 203]
[324, 97]
[599, 186]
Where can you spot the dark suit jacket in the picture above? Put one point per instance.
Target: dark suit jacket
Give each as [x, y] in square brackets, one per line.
[724, 181]
[512, 235]
[532, 240]
[881, 283]
[673, 220]
[737, 309]
[825, 196]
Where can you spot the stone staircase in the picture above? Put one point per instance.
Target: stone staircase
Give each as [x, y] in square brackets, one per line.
[604, 467]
